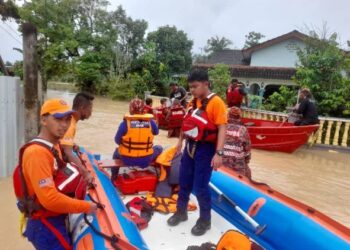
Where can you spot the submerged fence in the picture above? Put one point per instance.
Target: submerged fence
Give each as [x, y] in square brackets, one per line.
[11, 123]
[332, 131]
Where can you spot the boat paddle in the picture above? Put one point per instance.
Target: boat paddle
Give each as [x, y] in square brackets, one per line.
[258, 229]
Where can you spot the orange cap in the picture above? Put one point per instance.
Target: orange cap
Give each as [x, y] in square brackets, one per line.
[56, 107]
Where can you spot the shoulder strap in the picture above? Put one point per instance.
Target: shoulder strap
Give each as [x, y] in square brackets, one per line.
[207, 100]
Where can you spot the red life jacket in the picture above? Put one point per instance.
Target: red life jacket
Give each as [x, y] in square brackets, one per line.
[141, 212]
[160, 116]
[148, 110]
[67, 179]
[176, 117]
[196, 124]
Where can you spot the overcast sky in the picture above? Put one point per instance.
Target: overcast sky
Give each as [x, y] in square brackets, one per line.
[202, 19]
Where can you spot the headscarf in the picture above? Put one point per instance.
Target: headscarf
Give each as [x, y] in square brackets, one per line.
[136, 106]
[234, 115]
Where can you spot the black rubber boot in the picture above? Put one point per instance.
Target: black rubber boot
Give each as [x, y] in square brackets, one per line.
[178, 217]
[201, 227]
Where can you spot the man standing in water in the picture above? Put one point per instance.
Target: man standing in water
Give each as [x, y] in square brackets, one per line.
[82, 105]
[235, 94]
[178, 93]
[307, 109]
[204, 128]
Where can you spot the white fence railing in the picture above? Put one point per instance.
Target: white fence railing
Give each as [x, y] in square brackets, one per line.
[332, 131]
[11, 123]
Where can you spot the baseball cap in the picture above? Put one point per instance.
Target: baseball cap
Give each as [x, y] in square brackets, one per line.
[57, 108]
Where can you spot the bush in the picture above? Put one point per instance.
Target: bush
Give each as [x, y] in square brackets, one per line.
[282, 99]
[120, 89]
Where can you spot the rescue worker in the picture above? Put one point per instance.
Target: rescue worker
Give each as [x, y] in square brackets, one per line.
[46, 227]
[307, 109]
[135, 138]
[203, 129]
[82, 105]
[235, 94]
[179, 93]
[148, 107]
[237, 145]
[174, 118]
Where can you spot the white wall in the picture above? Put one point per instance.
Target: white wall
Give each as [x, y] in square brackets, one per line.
[11, 123]
[279, 55]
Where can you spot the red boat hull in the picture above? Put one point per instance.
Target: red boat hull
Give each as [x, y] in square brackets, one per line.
[277, 136]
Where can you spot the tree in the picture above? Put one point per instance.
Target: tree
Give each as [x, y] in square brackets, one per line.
[148, 73]
[216, 43]
[173, 48]
[253, 38]
[322, 69]
[220, 77]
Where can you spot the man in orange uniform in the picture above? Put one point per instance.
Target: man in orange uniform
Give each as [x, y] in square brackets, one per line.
[82, 105]
[39, 166]
[204, 127]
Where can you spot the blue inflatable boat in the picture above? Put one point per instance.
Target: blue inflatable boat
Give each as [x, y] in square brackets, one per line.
[289, 223]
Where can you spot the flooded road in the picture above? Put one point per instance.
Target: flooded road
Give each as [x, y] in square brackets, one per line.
[317, 177]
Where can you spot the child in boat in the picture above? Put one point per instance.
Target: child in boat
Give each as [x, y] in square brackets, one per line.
[135, 138]
[174, 118]
[237, 144]
[161, 113]
[148, 107]
[204, 129]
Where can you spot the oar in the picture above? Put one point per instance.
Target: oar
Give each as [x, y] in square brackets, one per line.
[258, 229]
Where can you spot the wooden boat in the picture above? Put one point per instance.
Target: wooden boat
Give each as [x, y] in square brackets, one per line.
[290, 224]
[277, 136]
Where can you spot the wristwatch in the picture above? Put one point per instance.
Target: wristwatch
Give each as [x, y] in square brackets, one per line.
[219, 152]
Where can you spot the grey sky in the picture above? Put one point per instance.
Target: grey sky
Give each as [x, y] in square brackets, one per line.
[201, 19]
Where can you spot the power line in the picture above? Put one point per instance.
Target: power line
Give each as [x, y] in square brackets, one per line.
[15, 31]
[19, 42]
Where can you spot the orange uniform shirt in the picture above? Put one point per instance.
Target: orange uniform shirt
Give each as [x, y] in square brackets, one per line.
[68, 138]
[38, 170]
[216, 110]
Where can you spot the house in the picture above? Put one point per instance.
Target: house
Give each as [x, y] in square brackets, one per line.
[264, 67]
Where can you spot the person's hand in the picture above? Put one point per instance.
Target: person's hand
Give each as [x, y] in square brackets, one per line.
[93, 208]
[216, 162]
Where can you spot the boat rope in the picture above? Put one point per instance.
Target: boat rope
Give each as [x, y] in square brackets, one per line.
[113, 239]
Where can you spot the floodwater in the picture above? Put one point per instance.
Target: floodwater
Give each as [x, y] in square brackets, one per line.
[318, 177]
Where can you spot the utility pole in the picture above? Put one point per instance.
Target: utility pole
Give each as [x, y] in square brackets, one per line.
[30, 67]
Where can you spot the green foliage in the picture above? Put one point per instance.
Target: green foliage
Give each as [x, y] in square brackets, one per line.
[253, 38]
[8, 10]
[120, 89]
[220, 77]
[255, 101]
[18, 69]
[322, 69]
[216, 43]
[279, 101]
[173, 48]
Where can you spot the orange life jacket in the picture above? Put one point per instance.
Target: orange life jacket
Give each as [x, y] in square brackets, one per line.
[166, 205]
[234, 240]
[67, 179]
[138, 141]
[176, 116]
[196, 124]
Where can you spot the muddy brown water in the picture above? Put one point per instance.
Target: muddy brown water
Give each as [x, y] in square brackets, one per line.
[318, 177]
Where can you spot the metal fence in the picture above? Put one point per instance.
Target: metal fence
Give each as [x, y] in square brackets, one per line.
[11, 123]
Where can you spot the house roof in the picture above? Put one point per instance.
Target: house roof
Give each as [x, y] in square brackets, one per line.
[291, 35]
[227, 56]
[256, 71]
